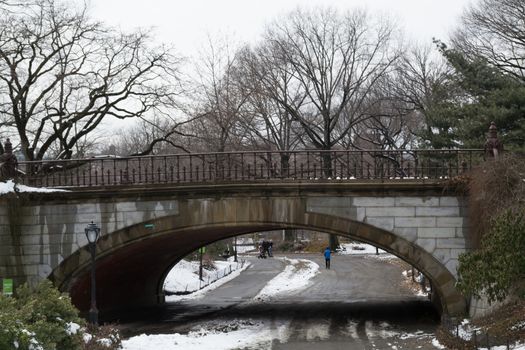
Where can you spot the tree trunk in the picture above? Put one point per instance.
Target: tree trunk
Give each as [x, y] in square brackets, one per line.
[326, 164]
[285, 165]
[334, 242]
[327, 172]
[289, 235]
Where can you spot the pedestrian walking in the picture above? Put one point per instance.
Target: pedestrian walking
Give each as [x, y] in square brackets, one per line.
[266, 245]
[262, 252]
[327, 253]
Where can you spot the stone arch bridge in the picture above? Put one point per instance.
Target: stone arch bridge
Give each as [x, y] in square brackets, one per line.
[155, 210]
[145, 231]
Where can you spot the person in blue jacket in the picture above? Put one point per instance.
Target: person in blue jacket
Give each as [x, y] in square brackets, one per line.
[327, 253]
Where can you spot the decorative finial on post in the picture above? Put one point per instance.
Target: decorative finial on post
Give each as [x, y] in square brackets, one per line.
[8, 162]
[493, 146]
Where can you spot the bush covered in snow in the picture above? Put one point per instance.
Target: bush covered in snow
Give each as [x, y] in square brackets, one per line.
[44, 319]
[39, 319]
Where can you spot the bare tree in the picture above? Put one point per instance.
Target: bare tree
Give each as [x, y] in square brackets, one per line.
[65, 74]
[219, 97]
[495, 30]
[155, 136]
[8, 6]
[390, 123]
[424, 81]
[319, 67]
[266, 75]
[336, 59]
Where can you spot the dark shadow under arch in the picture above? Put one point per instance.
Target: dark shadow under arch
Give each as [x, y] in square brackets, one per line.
[132, 262]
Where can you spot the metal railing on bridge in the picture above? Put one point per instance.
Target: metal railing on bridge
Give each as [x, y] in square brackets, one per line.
[262, 166]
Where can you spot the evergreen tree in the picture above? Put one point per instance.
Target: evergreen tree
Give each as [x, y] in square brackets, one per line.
[491, 95]
[487, 65]
[482, 93]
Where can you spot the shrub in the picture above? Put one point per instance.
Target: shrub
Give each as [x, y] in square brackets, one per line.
[498, 267]
[38, 319]
[497, 185]
[44, 319]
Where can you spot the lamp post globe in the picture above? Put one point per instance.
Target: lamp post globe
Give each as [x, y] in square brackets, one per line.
[92, 233]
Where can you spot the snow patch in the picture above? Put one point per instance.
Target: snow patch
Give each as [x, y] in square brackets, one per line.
[436, 343]
[465, 330]
[11, 187]
[365, 249]
[105, 342]
[87, 337]
[516, 346]
[296, 275]
[358, 249]
[417, 334]
[236, 335]
[383, 257]
[184, 277]
[518, 326]
[245, 245]
[200, 293]
[72, 328]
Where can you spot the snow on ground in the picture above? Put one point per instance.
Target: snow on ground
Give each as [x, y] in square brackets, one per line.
[296, 275]
[358, 248]
[365, 249]
[247, 245]
[9, 187]
[248, 334]
[516, 346]
[518, 326]
[184, 277]
[465, 330]
[384, 256]
[232, 335]
[437, 344]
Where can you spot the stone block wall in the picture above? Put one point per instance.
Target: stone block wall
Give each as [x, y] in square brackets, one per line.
[47, 234]
[438, 224]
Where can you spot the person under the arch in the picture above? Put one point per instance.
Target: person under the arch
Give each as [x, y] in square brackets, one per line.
[327, 254]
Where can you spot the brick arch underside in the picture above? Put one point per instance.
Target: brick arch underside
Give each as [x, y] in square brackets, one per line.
[132, 262]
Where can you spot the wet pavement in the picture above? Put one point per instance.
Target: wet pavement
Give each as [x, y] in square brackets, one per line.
[361, 303]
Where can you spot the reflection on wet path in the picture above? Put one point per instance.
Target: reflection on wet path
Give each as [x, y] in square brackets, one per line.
[359, 305]
[310, 325]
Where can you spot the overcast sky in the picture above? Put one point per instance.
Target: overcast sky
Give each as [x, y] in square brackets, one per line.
[187, 23]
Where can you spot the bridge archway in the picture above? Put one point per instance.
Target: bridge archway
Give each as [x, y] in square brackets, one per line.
[132, 262]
